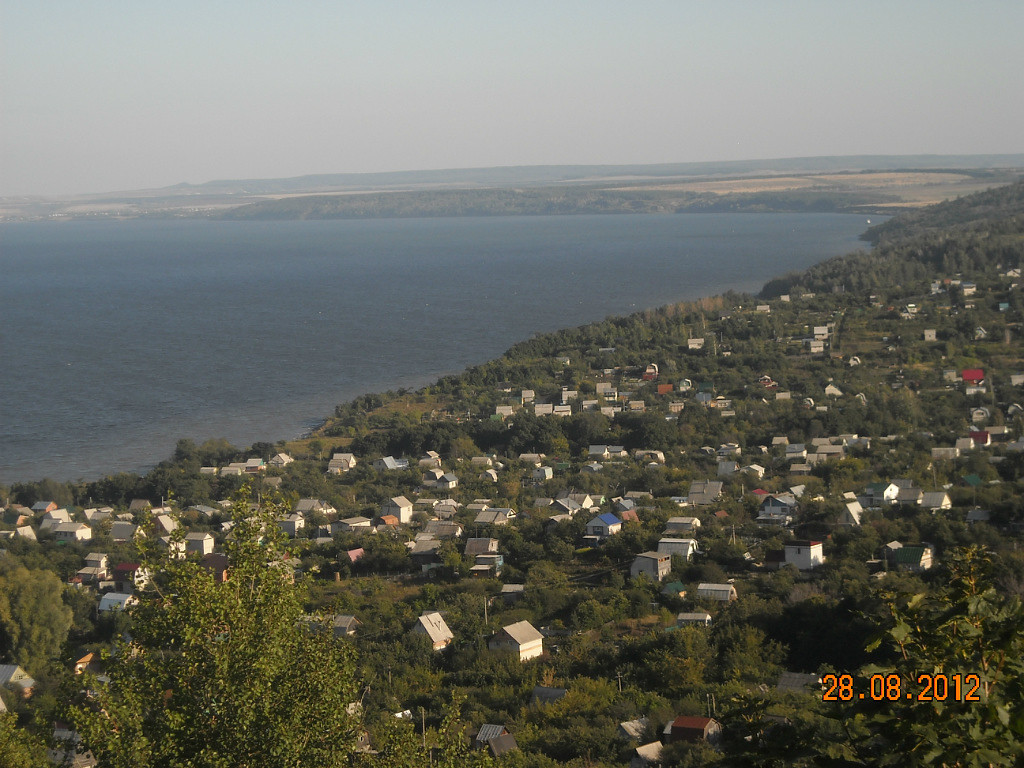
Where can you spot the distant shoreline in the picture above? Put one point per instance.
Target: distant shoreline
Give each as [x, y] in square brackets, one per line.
[857, 184]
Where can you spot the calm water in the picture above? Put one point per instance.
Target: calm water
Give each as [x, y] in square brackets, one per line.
[118, 338]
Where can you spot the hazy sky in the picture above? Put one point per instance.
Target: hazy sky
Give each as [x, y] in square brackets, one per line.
[113, 95]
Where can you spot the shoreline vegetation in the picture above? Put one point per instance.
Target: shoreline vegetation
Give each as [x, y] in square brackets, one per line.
[781, 529]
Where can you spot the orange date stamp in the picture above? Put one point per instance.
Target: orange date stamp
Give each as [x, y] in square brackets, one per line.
[934, 687]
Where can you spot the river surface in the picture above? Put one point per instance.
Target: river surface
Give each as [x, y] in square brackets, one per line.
[119, 338]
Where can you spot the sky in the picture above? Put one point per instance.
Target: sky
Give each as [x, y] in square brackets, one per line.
[116, 95]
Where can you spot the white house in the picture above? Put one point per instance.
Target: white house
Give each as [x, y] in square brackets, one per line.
[851, 515]
[280, 460]
[804, 554]
[116, 601]
[604, 526]
[341, 462]
[400, 507]
[521, 638]
[682, 547]
[721, 592]
[72, 532]
[433, 626]
[199, 543]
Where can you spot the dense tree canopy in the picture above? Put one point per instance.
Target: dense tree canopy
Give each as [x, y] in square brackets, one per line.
[34, 621]
[224, 674]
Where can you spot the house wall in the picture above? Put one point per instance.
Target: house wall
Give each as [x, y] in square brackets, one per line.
[531, 650]
[803, 557]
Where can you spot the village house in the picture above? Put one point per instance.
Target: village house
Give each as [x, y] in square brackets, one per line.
[777, 509]
[341, 463]
[694, 729]
[442, 529]
[936, 500]
[804, 554]
[704, 492]
[398, 506]
[122, 530]
[912, 558]
[480, 546]
[647, 755]
[292, 524]
[521, 638]
[878, 495]
[487, 566]
[430, 459]
[654, 564]
[495, 516]
[54, 517]
[603, 526]
[632, 730]
[681, 525]
[344, 625]
[116, 601]
[720, 592]
[72, 532]
[851, 514]
[434, 627]
[390, 464]
[314, 506]
[199, 543]
[684, 548]
[280, 460]
[12, 675]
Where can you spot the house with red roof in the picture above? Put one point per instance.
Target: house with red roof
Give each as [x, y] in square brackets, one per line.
[973, 376]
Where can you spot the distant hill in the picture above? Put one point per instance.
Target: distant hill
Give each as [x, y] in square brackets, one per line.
[999, 203]
[539, 175]
[867, 184]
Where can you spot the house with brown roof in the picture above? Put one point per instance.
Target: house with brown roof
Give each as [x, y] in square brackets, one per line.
[693, 729]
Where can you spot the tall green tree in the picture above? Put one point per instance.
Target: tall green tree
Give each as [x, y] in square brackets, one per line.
[948, 687]
[224, 675]
[34, 621]
[962, 631]
[18, 747]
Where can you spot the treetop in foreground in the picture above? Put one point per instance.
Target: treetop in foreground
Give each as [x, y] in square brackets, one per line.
[224, 674]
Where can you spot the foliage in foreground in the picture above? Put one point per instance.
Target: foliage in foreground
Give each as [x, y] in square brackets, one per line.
[963, 627]
[224, 674]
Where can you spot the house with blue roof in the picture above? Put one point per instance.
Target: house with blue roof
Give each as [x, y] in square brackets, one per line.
[604, 526]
